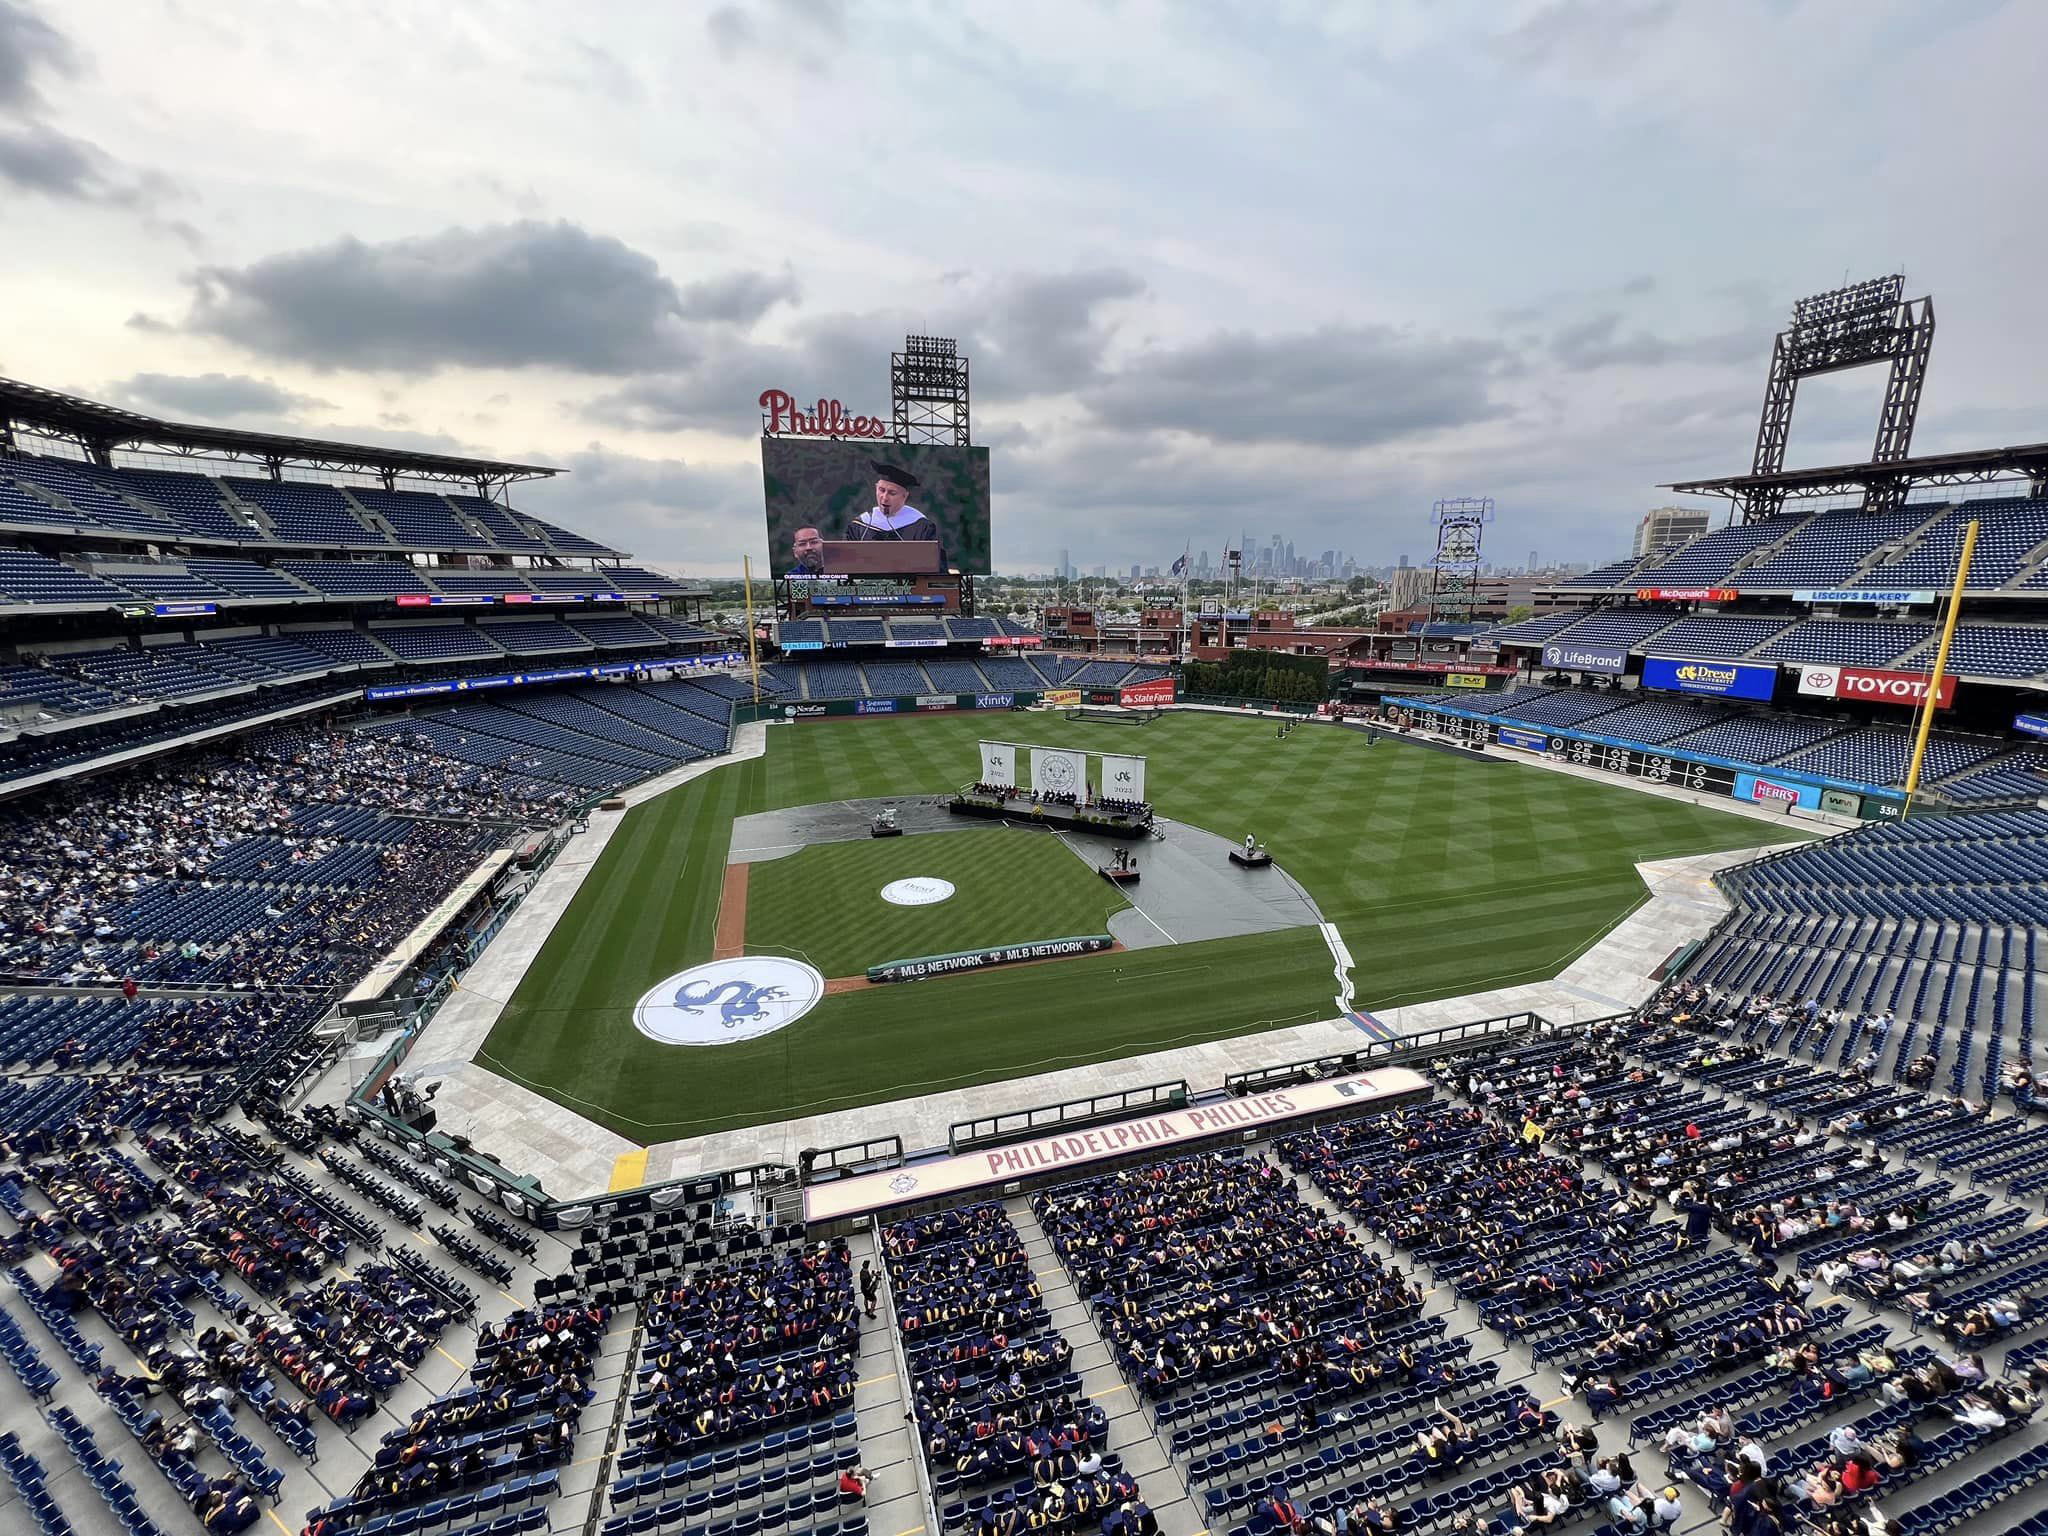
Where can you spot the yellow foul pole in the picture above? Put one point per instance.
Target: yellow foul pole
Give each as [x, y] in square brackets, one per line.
[1948, 631]
[753, 648]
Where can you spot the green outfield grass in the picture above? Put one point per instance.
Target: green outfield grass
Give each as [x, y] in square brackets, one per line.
[824, 904]
[1445, 875]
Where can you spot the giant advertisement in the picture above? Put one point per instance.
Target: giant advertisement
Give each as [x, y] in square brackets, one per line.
[1569, 657]
[1721, 679]
[874, 508]
[1876, 685]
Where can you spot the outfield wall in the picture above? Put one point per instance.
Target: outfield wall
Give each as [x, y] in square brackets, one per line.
[921, 704]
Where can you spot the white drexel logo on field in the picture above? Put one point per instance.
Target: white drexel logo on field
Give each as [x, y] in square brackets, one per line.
[917, 891]
[729, 1000]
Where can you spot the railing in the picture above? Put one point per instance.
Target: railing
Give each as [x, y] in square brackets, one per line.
[1022, 1124]
[1449, 1040]
[822, 1165]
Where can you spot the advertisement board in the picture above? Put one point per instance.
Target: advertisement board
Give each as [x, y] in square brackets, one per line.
[1718, 679]
[1874, 685]
[1841, 802]
[1570, 657]
[1527, 740]
[1896, 598]
[981, 959]
[685, 664]
[1150, 693]
[1062, 698]
[2033, 725]
[1464, 680]
[1758, 790]
[842, 506]
[875, 706]
[1687, 594]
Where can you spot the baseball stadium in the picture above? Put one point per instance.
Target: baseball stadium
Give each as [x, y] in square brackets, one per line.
[497, 1041]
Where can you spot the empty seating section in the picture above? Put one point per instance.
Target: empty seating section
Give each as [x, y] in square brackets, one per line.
[809, 633]
[917, 632]
[245, 578]
[1531, 631]
[1621, 627]
[1758, 738]
[1655, 721]
[20, 506]
[1009, 673]
[1846, 642]
[1994, 650]
[1880, 754]
[615, 631]
[857, 631]
[887, 679]
[2021, 775]
[972, 629]
[533, 637]
[566, 541]
[504, 527]
[1616, 573]
[1714, 636]
[304, 512]
[192, 500]
[489, 583]
[140, 674]
[1708, 560]
[1101, 674]
[435, 642]
[164, 583]
[954, 676]
[356, 578]
[1826, 552]
[1563, 706]
[635, 581]
[27, 577]
[420, 520]
[343, 644]
[2008, 530]
[53, 693]
[78, 486]
[832, 680]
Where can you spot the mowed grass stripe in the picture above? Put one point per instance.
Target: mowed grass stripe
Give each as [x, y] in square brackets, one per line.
[1445, 874]
[824, 905]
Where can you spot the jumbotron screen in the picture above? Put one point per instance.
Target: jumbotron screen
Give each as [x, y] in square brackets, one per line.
[874, 508]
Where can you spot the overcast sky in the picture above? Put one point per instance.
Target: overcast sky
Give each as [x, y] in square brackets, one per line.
[1286, 266]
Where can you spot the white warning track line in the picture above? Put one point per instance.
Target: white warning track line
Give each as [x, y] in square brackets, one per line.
[1342, 956]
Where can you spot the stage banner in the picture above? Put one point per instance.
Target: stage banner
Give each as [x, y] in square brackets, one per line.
[999, 763]
[1058, 772]
[1123, 778]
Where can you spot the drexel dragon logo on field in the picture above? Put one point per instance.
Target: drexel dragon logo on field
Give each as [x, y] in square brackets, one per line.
[728, 1000]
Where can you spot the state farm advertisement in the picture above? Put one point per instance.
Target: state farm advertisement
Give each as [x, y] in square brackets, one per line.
[1152, 692]
[1908, 689]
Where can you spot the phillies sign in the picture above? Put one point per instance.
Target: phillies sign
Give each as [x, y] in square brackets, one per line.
[780, 417]
[1874, 686]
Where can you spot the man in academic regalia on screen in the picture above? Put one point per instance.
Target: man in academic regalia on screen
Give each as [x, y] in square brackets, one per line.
[892, 516]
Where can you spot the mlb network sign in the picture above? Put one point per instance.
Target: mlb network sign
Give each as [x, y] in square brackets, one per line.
[1874, 686]
[1721, 679]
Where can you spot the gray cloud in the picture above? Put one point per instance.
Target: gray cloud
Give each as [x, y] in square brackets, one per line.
[1338, 387]
[213, 396]
[804, 32]
[504, 295]
[668, 511]
[1031, 335]
[28, 46]
[738, 298]
[1583, 36]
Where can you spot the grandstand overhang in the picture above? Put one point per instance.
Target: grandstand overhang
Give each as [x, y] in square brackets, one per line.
[101, 429]
[1882, 485]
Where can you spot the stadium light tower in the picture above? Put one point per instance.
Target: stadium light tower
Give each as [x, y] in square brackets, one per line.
[1852, 327]
[928, 395]
[1454, 568]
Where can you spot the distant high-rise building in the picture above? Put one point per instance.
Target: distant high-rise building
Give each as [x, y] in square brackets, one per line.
[1404, 563]
[1101, 572]
[1135, 572]
[1662, 527]
[1532, 561]
[1066, 571]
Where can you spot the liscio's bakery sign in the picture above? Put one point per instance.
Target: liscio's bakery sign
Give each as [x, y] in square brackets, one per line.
[781, 416]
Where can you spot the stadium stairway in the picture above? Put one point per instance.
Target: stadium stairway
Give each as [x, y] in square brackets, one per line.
[1131, 1432]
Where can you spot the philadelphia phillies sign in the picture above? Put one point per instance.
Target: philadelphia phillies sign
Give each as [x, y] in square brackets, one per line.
[782, 417]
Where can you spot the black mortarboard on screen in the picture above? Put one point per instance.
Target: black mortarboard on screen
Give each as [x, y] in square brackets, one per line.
[895, 476]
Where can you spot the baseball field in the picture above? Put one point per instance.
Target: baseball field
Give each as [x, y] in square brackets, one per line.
[1444, 874]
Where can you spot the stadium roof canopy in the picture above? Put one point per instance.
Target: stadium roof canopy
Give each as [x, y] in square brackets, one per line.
[100, 429]
[1981, 466]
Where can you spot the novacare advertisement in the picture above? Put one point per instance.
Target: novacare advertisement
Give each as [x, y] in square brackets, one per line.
[1759, 790]
[1722, 679]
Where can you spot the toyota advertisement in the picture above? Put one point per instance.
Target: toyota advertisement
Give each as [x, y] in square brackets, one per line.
[1874, 686]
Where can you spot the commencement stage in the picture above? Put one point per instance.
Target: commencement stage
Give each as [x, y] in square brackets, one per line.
[1024, 810]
